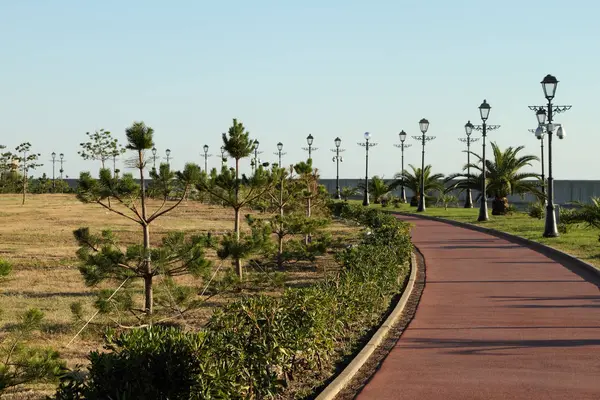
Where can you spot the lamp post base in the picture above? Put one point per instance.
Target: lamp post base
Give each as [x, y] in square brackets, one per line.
[483, 212]
[366, 199]
[469, 199]
[422, 206]
[550, 229]
[403, 195]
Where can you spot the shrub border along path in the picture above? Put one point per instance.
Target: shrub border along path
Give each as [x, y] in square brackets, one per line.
[356, 374]
[550, 252]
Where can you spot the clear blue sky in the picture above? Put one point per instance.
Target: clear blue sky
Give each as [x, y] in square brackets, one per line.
[287, 69]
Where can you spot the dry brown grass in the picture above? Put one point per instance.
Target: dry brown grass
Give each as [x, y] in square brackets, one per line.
[37, 238]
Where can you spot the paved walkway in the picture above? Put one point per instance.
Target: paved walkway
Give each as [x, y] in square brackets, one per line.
[496, 321]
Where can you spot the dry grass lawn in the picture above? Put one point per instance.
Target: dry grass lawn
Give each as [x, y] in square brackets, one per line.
[37, 238]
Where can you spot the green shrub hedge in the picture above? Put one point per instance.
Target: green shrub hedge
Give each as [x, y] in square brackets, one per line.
[255, 347]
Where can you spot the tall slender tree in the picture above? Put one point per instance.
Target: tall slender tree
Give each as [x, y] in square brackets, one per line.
[235, 191]
[101, 258]
[101, 146]
[313, 192]
[26, 161]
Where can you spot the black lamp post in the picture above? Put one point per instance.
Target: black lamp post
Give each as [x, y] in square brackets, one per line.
[310, 148]
[402, 146]
[468, 140]
[168, 153]
[279, 153]
[62, 160]
[539, 134]
[223, 158]
[114, 154]
[206, 155]
[337, 159]
[366, 145]
[545, 118]
[53, 169]
[255, 161]
[154, 158]
[423, 126]
[484, 113]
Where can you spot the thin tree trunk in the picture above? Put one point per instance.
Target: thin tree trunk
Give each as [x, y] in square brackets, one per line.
[24, 177]
[24, 189]
[148, 295]
[236, 227]
[307, 237]
[280, 233]
[280, 251]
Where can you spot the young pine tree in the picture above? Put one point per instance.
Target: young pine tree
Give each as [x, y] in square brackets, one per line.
[313, 193]
[236, 192]
[26, 161]
[101, 256]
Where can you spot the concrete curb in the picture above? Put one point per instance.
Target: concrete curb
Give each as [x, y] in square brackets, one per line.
[557, 255]
[351, 369]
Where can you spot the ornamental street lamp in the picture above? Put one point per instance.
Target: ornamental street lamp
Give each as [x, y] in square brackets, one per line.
[62, 160]
[168, 153]
[223, 158]
[206, 155]
[310, 148]
[484, 113]
[279, 153]
[337, 159]
[154, 158]
[366, 145]
[256, 153]
[539, 133]
[544, 116]
[114, 155]
[423, 126]
[468, 140]
[402, 146]
[53, 169]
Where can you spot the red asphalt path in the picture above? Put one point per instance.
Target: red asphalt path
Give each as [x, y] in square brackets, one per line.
[496, 321]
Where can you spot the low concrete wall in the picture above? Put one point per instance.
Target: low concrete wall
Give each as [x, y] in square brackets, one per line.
[565, 191]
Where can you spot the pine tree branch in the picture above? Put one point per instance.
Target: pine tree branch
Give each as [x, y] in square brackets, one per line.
[128, 267]
[89, 244]
[135, 210]
[118, 212]
[163, 212]
[161, 206]
[219, 196]
[132, 207]
[249, 199]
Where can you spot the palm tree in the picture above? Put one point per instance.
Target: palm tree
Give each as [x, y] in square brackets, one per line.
[502, 175]
[348, 192]
[378, 188]
[413, 182]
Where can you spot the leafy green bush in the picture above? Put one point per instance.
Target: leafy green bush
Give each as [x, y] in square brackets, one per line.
[255, 346]
[446, 199]
[536, 210]
[563, 228]
[589, 214]
[5, 268]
